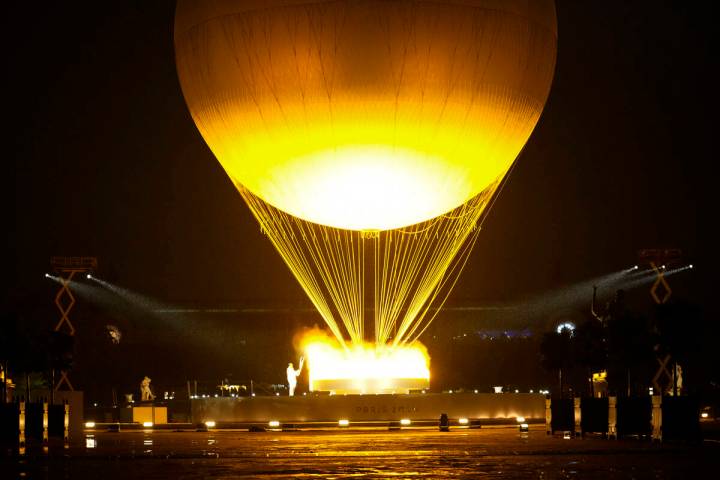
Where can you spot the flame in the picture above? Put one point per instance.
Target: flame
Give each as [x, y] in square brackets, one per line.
[364, 368]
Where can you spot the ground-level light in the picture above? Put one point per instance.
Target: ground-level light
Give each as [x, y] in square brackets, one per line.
[273, 423]
[405, 421]
[89, 424]
[463, 421]
[148, 424]
[343, 423]
[210, 424]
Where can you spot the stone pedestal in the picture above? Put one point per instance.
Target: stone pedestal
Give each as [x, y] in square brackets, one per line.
[612, 417]
[577, 407]
[149, 413]
[548, 416]
[76, 424]
[657, 418]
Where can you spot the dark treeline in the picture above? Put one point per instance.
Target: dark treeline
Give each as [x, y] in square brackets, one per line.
[624, 342]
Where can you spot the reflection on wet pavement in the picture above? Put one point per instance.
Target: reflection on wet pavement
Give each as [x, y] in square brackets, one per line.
[358, 454]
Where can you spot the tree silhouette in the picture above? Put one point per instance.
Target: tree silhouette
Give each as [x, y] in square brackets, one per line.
[683, 334]
[556, 353]
[630, 349]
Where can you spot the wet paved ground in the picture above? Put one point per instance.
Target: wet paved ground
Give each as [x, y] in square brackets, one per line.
[497, 452]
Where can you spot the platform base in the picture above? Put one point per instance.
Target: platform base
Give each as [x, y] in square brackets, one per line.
[368, 408]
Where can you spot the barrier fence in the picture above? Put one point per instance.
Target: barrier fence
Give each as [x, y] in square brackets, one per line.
[658, 418]
[22, 422]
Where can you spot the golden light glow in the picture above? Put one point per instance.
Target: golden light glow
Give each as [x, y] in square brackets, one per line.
[89, 424]
[273, 423]
[403, 114]
[368, 123]
[365, 368]
[210, 424]
[370, 174]
[405, 421]
[147, 424]
[463, 421]
[343, 422]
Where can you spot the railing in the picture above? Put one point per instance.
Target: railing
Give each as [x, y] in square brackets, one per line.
[22, 422]
[657, 418]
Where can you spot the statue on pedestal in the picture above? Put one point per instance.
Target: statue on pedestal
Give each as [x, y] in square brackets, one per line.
[146, 394]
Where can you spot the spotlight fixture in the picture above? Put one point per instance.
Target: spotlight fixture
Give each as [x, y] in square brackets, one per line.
[47, 275]
[635, 267]
[88, 276]
[690, 266]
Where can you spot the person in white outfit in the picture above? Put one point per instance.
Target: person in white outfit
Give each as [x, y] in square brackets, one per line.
[292, 375]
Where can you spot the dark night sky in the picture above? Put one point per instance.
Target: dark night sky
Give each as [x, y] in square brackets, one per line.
[105, 160]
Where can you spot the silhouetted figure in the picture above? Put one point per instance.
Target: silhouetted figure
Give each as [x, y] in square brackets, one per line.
[444, 423]
[292, 375]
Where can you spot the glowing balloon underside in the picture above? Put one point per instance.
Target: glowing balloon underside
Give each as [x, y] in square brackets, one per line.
[368, 128]
[365, 114]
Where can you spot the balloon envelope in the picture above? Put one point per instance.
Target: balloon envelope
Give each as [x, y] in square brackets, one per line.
[365, 114]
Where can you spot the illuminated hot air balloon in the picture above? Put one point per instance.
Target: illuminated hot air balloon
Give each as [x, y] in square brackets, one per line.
[368, 136]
